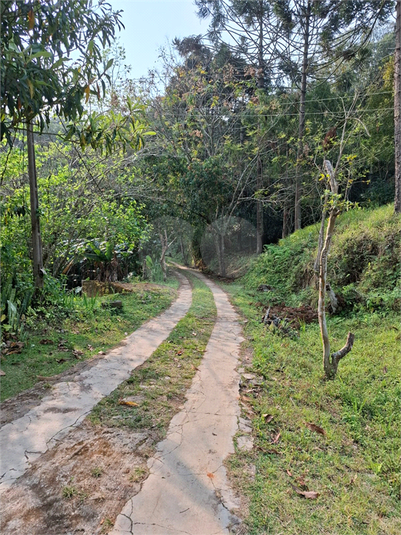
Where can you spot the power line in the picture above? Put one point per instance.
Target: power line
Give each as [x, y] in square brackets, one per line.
[283, 114]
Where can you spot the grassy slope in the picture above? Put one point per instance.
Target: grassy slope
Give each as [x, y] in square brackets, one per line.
[363, 264]
[355, 466]
[49, 344]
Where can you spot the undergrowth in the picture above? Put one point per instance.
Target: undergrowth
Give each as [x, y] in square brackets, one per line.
[354, 466]
[326, 453]
[363, 266]
[51, 343]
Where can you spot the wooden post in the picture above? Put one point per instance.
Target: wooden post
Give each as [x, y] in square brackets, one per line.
[35, 224]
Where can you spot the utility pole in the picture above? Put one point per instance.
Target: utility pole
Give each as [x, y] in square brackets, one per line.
[397, 109]
[33, 187]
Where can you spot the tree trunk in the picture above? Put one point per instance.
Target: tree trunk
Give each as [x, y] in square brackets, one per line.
[37, 252]
[259, 210]
[220, 246]
[259, 180]
[164, 244]
[184, 252]
[316, 266]
[397, 110]
[285, 224]
[301, 126]
[330, 362]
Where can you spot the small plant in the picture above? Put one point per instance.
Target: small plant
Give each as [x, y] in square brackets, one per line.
[69, 492]
[97, 471]
[138, 474]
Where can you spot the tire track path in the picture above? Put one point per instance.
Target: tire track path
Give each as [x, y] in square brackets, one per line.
[27, 438]
[187, 490]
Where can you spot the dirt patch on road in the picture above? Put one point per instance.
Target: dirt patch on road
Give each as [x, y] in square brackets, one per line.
[80, 485]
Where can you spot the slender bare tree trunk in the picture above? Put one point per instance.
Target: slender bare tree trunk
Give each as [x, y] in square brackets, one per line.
[301, 126]
[285, 217]
[37, 252]
[164, 244]
[330, 361]
[259, 210]
[397, 110]
[220, 246]
[316, 266]
[259, 180]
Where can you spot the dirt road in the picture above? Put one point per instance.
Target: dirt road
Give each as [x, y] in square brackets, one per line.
[187, 489]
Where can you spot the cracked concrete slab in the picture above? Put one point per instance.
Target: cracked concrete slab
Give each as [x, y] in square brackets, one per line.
[187, 490]
[28, 437]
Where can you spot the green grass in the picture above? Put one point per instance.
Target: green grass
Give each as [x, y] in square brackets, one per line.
[158, 387]
[363, 265]
[355, 466]
[52, 346]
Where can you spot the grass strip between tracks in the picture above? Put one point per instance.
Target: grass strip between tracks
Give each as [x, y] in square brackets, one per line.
[156, 390]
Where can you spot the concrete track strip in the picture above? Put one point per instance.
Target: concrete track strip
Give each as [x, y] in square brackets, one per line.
[28, 437]
[187, 490]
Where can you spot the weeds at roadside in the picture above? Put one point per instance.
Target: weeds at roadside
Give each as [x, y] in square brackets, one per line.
[69, 492]
[96, 472]
[339, 439]
[50, 346]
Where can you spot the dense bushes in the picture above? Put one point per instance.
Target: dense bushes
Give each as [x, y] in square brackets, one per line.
[363, 265]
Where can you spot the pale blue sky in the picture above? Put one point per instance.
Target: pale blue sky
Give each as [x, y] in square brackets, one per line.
[150, 25]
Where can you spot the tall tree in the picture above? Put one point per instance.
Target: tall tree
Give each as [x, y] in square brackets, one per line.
[308, 35]
[397, 110]
[253, 30]
[38, 40]
[316, 33]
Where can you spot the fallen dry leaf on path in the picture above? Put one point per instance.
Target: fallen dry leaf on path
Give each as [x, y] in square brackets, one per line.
[276, 438]
[210, 475]
[268, 417]
[309, 494]
[316, 428]
[77, 353]
[289, 473]
[47, 378]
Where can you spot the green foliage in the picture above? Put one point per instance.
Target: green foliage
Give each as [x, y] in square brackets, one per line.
[37, 41]
[363, 266]
[76, 211]
[354, 466]
[64, 328]
[153, 270]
